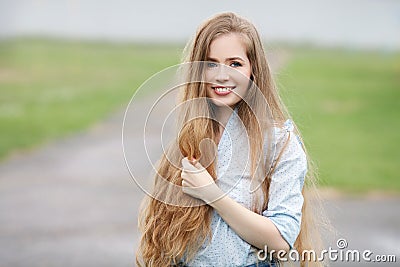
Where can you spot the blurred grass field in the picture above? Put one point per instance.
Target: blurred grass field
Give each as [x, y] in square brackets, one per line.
[345, 102]
[347, 105]
[52, 88]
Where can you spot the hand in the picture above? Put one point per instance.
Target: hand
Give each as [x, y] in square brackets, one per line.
[198, 183]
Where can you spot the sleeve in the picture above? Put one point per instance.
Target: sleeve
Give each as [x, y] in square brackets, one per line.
[285, 194]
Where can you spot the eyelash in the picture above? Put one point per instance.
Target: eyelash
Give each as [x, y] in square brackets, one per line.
[237, 64]
[211, 65]
[234, 64]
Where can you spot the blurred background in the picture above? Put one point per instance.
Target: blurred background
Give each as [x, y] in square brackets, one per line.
[69, 68]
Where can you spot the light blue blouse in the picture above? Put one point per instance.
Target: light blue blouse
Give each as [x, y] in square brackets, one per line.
[226, 248]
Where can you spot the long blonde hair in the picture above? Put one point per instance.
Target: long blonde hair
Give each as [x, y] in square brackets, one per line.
[174, 233]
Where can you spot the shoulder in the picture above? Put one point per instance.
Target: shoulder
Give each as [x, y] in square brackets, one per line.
[285, 144]
[283, 132]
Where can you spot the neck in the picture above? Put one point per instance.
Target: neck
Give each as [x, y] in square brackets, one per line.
[223, 114]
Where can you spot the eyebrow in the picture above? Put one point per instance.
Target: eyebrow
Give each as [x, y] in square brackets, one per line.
[228, 59]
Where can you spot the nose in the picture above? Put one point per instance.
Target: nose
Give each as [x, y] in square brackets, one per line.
[222, 74]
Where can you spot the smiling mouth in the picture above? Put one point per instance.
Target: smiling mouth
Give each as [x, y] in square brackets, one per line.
[223, 90]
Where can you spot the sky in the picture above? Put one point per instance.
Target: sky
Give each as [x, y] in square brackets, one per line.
[357, 23]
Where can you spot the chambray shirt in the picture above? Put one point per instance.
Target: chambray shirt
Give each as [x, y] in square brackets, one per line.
[226, 248]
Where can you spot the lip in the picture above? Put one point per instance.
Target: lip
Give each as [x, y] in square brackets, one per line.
[223, 93]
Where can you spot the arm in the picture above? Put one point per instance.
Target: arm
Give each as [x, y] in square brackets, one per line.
[279, 225]
[255, 229]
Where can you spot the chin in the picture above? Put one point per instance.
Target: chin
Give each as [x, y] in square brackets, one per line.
[224, 102]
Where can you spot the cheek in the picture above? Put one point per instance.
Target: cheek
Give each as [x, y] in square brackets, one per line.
[242, 74]
[209, 75]
[247, 73]
[209, 90]
[243, 78]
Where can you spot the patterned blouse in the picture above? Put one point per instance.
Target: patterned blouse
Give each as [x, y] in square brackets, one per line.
[285, 202]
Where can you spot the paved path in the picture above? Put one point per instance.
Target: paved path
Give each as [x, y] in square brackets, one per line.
[73, 203]
[367, 223]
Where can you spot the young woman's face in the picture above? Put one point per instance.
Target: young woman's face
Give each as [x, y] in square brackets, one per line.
[228, 73]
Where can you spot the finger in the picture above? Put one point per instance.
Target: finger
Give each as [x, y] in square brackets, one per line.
[198, 165]
[184, 189]
[184, 175]
[186, 165]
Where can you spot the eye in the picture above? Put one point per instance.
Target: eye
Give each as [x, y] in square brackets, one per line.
[236, 64]
[211, 65]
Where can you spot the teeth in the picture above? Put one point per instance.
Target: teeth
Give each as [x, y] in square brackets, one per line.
[223, 89]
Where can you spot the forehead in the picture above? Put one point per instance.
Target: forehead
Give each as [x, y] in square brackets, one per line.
[227, 46]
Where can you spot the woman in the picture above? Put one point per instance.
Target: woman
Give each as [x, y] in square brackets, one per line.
[243, 192]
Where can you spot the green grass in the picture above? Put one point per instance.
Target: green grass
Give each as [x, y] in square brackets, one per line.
[51, 88]
[345, 102]
[347, 105]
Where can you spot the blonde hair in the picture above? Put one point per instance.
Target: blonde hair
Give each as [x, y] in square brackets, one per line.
[174, 233]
